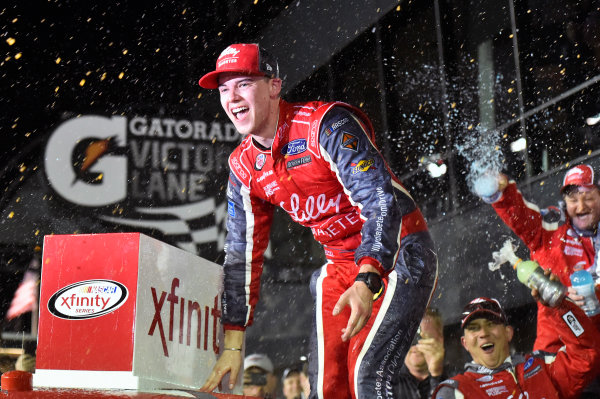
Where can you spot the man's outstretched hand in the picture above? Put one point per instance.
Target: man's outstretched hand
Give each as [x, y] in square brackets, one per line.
[360, 299]
[230, 362]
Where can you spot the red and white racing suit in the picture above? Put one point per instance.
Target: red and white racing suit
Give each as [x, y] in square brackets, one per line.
[553, 244]
[538, 374]
[324, 170]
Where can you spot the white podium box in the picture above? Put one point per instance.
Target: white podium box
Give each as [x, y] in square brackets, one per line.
[126, 311]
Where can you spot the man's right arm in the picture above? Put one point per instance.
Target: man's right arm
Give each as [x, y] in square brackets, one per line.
[524, 218]
[248, 226]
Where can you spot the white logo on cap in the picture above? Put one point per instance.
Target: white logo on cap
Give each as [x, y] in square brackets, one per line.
[575, 171]
[229, 51]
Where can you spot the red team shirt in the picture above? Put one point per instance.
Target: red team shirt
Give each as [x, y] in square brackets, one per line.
[554, 245]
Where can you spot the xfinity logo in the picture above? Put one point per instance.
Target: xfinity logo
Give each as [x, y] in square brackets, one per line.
[190, 313]
[87, 299]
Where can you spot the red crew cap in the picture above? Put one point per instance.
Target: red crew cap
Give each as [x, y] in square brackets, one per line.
[580, 175]
[484, 308]
[247, 59]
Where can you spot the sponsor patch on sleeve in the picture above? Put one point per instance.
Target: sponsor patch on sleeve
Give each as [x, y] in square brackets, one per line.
[362, 166]
[349, 142]
[231, 208]
[573, 323]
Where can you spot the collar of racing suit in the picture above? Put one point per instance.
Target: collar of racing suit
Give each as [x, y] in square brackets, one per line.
[595, 236]
[283, 128]
[509, 363]
[585, 233]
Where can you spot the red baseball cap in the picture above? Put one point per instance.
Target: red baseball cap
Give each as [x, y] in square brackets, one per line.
[248, 59]
[580, 175]
[484, 308]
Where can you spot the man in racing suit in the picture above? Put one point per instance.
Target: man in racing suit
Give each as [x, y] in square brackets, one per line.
[556, 242]
[494, 373]
[318, 162]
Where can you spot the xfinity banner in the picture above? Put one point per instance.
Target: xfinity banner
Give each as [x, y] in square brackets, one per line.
[144, 173]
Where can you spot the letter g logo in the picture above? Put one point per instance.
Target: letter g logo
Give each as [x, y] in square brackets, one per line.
[112, 187]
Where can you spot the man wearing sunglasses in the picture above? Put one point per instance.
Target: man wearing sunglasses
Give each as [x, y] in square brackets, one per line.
[495, 372]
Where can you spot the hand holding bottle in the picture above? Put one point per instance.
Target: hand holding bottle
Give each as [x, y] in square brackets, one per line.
[545, 286]
[552, 301]
[490, 185]
[583, 292]
[575, 297]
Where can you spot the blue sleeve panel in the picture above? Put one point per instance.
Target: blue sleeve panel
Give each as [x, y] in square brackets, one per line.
[347, 145]
[248, 226]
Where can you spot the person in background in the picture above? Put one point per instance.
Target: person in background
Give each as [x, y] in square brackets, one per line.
[424, 364]
[258, 378]
[318, 162]
[292, 387]
[7, 363]
[304, 382]
[558, 239]
[557, 242]
[494, 372]
[25, 362]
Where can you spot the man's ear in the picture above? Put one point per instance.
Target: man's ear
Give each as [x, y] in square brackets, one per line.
[462, 341]
[275, 87]
[509, 332]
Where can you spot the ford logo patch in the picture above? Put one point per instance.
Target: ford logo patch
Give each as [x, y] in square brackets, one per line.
[87, 299]
[294, 147]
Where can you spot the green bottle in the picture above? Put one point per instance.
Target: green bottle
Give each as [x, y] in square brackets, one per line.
[531, 274]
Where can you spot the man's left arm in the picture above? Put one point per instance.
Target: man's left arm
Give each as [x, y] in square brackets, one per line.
[347, 145]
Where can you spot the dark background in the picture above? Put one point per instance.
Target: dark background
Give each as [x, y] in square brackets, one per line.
[435, 77]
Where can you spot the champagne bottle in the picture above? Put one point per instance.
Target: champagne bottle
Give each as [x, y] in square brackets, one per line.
[531, 274]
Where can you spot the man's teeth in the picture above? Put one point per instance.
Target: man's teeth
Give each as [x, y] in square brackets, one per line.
[487, 346]
[239, 109]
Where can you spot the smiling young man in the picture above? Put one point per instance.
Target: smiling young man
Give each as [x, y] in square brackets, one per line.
[494, 372]
[319, 163]
[558, 239]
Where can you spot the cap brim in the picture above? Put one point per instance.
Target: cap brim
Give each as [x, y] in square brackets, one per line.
[211, 79]
[483, 314]
[582, 187]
